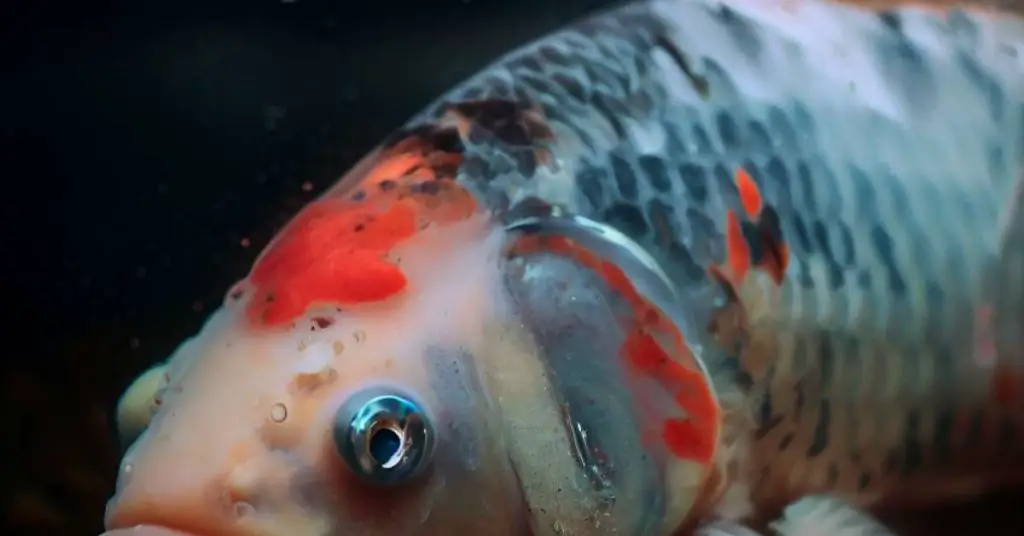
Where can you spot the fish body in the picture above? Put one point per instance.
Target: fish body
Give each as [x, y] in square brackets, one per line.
[679, 266]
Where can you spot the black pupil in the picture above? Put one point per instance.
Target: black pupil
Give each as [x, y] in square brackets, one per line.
[384, 444]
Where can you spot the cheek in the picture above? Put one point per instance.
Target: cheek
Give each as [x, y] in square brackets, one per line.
[461, 412]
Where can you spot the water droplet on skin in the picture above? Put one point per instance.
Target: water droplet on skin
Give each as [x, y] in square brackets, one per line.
[360, 336]
[278, 413]
[124, 477]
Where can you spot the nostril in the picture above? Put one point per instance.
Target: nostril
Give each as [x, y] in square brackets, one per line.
[383, 437]
[386, 447]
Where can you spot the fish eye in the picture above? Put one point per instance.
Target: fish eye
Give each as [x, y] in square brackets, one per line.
[384, 438]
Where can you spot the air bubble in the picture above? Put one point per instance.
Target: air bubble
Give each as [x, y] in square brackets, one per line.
[278, 413]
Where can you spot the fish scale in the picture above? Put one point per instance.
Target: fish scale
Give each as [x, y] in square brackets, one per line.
[866, 379]
[816, 208]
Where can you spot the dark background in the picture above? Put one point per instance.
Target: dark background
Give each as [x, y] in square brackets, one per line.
[140, 144]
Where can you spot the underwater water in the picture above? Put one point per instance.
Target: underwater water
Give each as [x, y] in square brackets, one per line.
[152, 149]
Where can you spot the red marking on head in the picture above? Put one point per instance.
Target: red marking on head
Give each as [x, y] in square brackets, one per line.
[692, 437]
[336, 250]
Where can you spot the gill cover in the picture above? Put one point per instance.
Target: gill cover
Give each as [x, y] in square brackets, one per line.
[639, 409]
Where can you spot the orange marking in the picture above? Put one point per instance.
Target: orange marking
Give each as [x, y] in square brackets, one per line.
[750, 195]
[692, 437]
[336, 250]
[774, 257]
[736, 248]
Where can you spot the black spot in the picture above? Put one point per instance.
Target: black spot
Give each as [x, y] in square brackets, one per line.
[359, 195]
[742, 31]
[846, 255]
[891, 20]
[784, 443]
[625, 177]
[590, 180]
[801, 238]
[767, 421]
[799, 395]
[628, 219]
[885, 249]
[699, 83]
[654, 169]
[695, 180]
[728, 131]
[321, 322]
[864, 481]
[821, 431]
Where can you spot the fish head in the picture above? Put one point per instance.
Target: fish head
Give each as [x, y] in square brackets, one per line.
[400, 361]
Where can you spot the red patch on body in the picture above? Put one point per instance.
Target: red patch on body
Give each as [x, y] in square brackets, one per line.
[692, 437]
[772, 252]
[336, 251]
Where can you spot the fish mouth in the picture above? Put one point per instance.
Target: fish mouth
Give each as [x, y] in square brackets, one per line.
[147, 530]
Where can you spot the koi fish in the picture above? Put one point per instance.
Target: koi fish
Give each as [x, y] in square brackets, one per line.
[685, 266]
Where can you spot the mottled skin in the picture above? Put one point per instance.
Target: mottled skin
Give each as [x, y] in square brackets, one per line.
[891, 147]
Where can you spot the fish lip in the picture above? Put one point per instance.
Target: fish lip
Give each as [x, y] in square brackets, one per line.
[147, 530]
